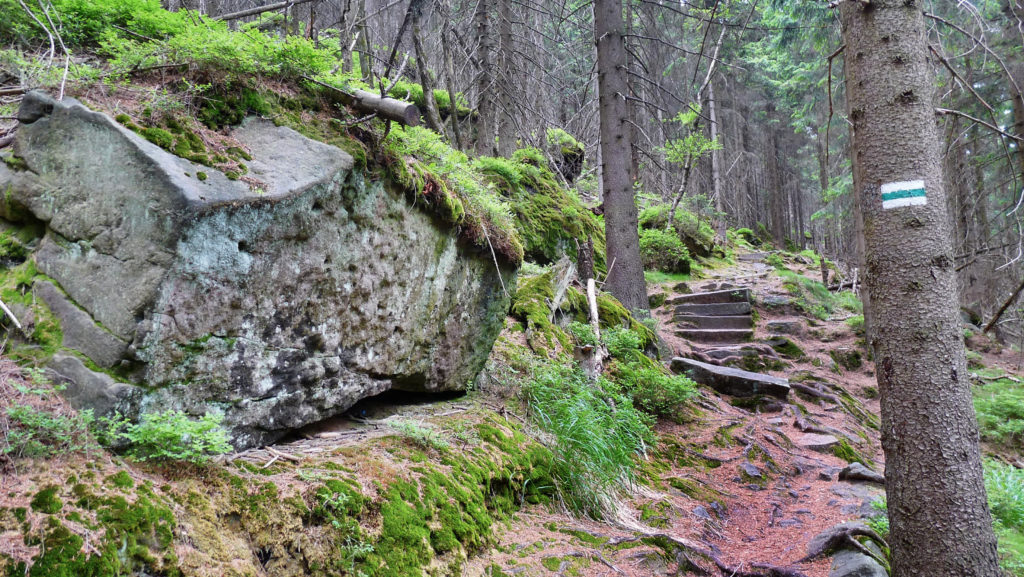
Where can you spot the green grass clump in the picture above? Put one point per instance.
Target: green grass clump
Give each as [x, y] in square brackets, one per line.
[596, 431]
[661, 250]
[622, 343]
[999, 405]
[582, 334]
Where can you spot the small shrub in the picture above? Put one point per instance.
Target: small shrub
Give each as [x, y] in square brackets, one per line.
[424, 436]
[652, 389]
[171, 436]
[583, 334]
[661, 250]
[879, 522]
[999, 405]
[622, 343]
[39, 433]
[775, 260]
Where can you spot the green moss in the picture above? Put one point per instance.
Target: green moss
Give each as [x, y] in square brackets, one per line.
[201, 176]
[121, 479]
[530, 306]
[845, 451]
[159, 137]
[232, 175]
[46, 500]
[849, 359]
[786, 348]
[14, 162]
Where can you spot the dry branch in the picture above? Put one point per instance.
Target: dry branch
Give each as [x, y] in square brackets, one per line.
[389, 108]
[260, 10]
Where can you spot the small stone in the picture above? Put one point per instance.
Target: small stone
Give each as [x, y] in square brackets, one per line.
[793, 494]
[819, 443]
[859, 472]
[702, 513]
[751, 470]
[825, 476]
[655, 300]
[789, 523]
[786, 327]
[846, 563]
[682, 288]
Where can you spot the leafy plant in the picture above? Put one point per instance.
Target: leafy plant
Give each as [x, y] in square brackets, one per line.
[422, 435]
[999, 405]
[661, 250]
[39, 433]
[170, 436]
[583, 334]
[622, 343]
[652, 389]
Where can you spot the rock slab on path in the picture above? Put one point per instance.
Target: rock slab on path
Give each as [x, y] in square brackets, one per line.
[280, 301]
[730, 381]
[859, 472]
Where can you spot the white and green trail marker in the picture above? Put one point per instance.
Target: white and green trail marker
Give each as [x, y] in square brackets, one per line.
[906, 193]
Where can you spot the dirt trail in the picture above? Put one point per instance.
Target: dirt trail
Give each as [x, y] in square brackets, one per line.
[736, 482]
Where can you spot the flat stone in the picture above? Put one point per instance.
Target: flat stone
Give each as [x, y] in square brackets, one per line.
[790, 523]
[682, 288]
[732, 295]
[751, 470]
[713, 309]
[816, 442]
[86, 389]
[860, 472]
[775, 301]
[714, 321]
[785, 326]
[81, 332]
[716, 335]
[730, 381]
[847, 563]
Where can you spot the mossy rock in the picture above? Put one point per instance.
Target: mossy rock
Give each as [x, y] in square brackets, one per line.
[847, 358]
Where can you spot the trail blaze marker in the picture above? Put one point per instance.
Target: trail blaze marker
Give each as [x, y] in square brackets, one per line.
[905, 193]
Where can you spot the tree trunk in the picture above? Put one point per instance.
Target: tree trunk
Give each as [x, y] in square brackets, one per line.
[485, 82]
[626, 275]
[939, 519]
[449, 77]
[433, 117]
[504, 80]
[716, 166]
[365, 52]
[776, 194]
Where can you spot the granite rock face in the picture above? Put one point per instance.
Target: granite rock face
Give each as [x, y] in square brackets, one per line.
[278, 301]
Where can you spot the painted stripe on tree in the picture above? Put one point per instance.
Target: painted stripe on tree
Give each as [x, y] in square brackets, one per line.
[903, 193]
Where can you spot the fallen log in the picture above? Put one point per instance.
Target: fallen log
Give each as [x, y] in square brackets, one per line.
[388, 108]
[259, 10]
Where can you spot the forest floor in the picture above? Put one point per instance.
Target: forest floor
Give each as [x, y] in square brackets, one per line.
[733, 481]
[703, 497]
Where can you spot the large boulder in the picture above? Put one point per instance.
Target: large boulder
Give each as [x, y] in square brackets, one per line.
[279, 299]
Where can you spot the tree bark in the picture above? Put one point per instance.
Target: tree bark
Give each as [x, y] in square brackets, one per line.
[432, 116]
[716, 168]
[939, 518]
[504, 81]
[485, 81]
[626, 276]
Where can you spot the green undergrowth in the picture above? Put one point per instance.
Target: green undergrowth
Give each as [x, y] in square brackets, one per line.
[598, 435]
[531, 307]
[694, 233]
[433, 513]
[550, 217]
[999, 404]
[814, 298]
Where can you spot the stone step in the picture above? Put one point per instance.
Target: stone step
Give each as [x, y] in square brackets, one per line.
[713, 310]
[728, 381]
[716, 335]
[752, 256]
[713, 322]
[734, 295]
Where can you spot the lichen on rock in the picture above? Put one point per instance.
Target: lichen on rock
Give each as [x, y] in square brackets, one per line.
[279, 300]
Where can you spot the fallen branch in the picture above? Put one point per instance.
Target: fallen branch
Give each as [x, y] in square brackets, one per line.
[13, 318]
[260, 10]
[400, 111]
[12, 91]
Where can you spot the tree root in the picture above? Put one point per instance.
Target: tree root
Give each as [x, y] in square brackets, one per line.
[842, 536]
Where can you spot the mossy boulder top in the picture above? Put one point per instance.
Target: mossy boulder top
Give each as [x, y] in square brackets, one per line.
[279, 299]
